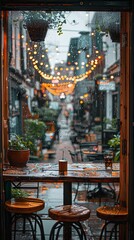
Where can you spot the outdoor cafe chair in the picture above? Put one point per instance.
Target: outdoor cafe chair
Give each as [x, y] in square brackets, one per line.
[87, 146]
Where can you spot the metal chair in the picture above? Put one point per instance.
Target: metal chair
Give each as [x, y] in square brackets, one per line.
[85, 146]
[74, 156]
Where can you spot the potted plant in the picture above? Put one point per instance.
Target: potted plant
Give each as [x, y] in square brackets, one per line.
[108, 22]
[34, 132]
[19, 151]
[47, 114]
[114, 144]
[38, 23]
[17, 193]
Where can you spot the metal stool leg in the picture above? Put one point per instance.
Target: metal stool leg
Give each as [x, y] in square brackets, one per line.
[38, 220]
[103, 229]
[82, 230]
[114, 229]
[55, 226]
[28, 217]
[58, 230]
[58, 225]
[13, 220]
[32, 228]
[30, 222]
[76, 227]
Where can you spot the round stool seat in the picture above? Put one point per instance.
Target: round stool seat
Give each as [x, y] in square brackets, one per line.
[24, 205]
[115, 213]
[69, 213]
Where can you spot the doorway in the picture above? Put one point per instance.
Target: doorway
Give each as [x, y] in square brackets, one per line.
[125, 133]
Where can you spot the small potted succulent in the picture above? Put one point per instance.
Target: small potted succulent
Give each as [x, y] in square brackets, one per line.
[19, 151]
[17, 193]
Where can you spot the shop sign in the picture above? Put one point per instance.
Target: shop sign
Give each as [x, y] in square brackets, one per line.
[106, 85]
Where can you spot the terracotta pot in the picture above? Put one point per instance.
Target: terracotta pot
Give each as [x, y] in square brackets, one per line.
[18, 158]
[37, 30]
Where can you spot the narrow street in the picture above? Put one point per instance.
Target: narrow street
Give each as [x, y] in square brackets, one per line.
[64, 144]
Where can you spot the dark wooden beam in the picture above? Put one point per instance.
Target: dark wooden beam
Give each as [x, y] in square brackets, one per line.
[77, 5]
[131, 163]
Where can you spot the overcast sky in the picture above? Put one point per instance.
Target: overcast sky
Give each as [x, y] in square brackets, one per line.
[76, 22]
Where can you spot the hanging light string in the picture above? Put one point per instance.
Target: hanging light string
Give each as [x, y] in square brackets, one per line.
[38, 64]
[58, 88]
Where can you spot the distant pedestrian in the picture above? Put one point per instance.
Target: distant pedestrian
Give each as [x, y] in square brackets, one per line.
[66, 114]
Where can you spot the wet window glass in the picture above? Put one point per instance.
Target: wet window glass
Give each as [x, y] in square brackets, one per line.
[64, 83]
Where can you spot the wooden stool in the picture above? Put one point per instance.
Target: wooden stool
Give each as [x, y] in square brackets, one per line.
[71, 214]
[115, 215]
[25, 208]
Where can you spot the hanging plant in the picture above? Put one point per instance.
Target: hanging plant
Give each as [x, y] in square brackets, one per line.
[108, 22]
[38, 23]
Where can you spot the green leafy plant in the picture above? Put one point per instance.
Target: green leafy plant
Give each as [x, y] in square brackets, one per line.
[114, 143]
[34, 129]
[34, 132]
[47, 114]
[18, 193]
[19, 143]
[111, 123]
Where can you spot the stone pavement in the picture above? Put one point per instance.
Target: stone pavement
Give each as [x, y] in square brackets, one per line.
[62, 145]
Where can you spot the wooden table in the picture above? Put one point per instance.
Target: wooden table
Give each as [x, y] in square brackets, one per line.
[80, 172]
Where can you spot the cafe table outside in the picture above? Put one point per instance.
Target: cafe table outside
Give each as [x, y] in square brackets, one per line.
[49, 173]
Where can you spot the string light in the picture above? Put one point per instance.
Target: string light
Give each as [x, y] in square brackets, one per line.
[57, 89]
[76, 78]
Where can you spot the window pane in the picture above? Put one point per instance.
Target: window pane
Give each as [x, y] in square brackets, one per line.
[64, 81]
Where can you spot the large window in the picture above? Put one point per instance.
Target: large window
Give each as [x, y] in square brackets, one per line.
[64, 71]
